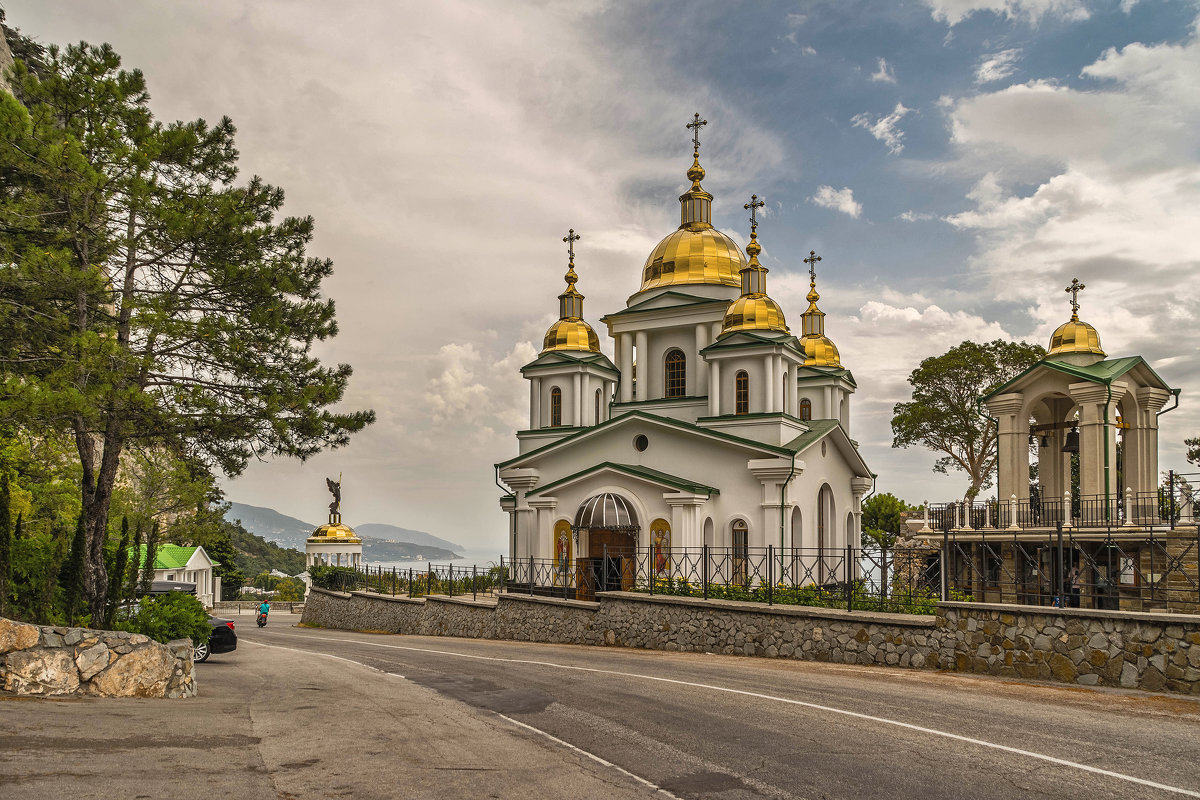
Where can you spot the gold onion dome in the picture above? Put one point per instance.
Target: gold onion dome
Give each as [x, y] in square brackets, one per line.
[1074, 335]
[754, 310]
[819, 349]
[336, 531]
[571, 332]
[696, 252]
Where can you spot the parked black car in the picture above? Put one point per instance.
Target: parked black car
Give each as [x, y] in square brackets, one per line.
[223, 640]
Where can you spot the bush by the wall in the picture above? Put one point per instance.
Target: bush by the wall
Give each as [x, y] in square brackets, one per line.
[175, 615]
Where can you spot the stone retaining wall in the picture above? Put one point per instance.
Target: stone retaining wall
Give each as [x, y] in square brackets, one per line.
[41, 660]
[1156, 652]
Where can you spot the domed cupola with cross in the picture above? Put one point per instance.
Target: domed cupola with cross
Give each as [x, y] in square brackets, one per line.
[571, 381]
[1075, 341]
[754, 360]
[696, 253]
[823, 385]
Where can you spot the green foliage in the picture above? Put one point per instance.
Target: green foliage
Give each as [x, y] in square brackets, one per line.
[70, 579]
[147, 577]
[1193, 450]
[883, 518]
[175, 615]
[6, 541]
[861, 597]
[943, 414]
[149, 301]
[329, 577]
[256, 554]
[118, 573]
[289, 590]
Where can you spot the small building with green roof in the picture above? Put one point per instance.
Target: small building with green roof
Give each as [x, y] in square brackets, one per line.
[173, 562]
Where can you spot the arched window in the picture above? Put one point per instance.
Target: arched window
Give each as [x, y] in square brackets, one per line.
[741, 393]
[555, 407]
[676, 374]
[806, 409]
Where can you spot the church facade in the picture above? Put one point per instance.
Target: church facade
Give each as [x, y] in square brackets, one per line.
[717, 425]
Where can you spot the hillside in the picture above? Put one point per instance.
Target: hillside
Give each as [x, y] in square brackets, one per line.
[256, 554]
[381, 542]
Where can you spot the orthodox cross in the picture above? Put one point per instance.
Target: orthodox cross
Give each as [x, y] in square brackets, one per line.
[812, 260]
[571, 238]
[1074, 289]
[754, 205]
[695, 125]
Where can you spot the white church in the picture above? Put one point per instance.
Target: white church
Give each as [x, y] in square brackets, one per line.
[717, 425]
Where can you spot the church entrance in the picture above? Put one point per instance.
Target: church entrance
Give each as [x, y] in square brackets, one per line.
[612, 530]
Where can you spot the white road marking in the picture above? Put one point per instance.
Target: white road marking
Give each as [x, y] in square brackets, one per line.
[816, 706]
[326, 655]
[592, 756]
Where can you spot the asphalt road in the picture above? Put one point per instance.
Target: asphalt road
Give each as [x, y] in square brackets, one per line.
[300, 712]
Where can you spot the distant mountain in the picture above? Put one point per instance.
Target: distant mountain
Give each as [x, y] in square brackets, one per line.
[377, 536]
[271, 525]
[392, 533]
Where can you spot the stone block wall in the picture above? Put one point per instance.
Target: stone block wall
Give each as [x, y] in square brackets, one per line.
[1155, 652]
[41, 660]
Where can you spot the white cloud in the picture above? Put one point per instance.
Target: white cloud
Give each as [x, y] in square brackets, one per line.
[915, 216]
[838, 199]
[885, 73]
[1100, 184]
[997, 66]
[885, 128]
[1031, 11]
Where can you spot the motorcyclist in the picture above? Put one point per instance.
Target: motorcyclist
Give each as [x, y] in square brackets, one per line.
[264, 608]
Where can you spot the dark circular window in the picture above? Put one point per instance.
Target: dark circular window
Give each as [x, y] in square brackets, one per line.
[640, 442]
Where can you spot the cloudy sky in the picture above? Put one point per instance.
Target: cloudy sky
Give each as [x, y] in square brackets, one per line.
[954, 162]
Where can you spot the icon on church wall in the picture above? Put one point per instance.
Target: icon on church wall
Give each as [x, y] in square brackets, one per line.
[660, 542]
[562, 551]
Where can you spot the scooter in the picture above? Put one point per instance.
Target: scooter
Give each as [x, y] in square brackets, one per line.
[262, 620]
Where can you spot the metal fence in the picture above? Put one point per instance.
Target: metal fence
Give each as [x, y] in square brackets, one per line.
[1159, 508]
[1064, 567]
[1154, 571]
[851, 578]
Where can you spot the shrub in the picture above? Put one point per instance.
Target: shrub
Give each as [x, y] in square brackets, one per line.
[339, 578]
[175, 615]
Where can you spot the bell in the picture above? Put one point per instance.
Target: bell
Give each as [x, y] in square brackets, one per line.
[1072, 445]
[1045, 441]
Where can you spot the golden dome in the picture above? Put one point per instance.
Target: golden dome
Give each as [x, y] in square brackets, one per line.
[571, 334]
[693, 255]
[819, 349]
[754, 313]
[754, 310]
[1075, 336]
[696, 252]
[335, 531]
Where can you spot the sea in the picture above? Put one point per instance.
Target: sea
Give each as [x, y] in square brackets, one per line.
[471, 556]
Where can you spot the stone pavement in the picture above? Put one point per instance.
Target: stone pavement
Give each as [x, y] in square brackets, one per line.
[273, 722]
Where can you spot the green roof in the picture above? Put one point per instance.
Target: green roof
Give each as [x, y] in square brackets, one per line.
[1104, 372]
[817, 428]
[640, 306]
[168, 556]
[637, 471]
[555, 358]
[668, 421]
[745, 339]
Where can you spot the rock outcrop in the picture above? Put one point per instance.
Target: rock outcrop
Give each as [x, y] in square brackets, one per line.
[41, 660]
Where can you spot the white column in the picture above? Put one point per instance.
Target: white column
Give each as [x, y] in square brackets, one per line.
[535, 404]
[701, 363]
[577, 388]
[829, 411]
[625, 349]
[714, 389]
[778, 389]
[769, 388]
[643, 382]
[587, 402]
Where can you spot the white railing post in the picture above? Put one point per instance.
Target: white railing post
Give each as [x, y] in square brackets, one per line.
[1012, 514]
[1068, 520]
[1128, 507]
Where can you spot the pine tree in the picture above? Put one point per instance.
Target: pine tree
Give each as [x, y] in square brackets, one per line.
[116, 583]
[71, 576]
[135, 566]
[148, 564]
[5, 546]
[148, 299]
